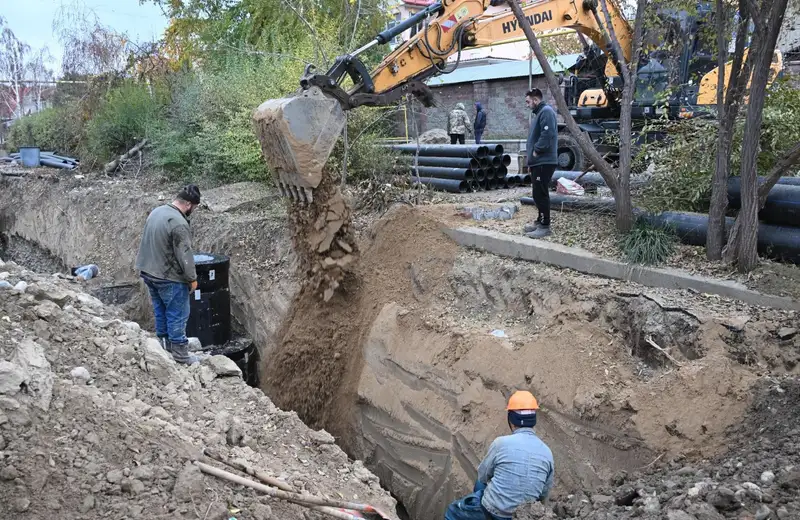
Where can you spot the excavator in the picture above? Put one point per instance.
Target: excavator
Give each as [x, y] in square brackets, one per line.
[298, 133]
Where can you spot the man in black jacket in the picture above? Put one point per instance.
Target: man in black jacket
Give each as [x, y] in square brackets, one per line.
[542, 149]
[480, 122]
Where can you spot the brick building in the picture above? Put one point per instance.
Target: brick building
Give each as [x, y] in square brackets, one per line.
[500, 85]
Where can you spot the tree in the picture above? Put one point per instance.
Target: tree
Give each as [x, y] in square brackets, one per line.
[13, 54]
[617, 179]
[767, 17]
[39, 74]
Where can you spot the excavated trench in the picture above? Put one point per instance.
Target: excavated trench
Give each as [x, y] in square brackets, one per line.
[402, 365]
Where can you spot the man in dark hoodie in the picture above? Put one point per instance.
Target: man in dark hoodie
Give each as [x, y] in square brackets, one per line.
[542, 149]
[480, 122]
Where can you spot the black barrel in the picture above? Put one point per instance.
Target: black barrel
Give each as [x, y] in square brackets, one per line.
[444, 150]
[210, 304]
[439, 172]
[450, 185]
[446, 162]
[244, 353]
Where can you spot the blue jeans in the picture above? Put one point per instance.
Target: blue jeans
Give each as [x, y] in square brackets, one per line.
[170, 307]
[469, 507]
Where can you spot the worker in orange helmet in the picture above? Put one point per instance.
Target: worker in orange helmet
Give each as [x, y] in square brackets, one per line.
[517, 469]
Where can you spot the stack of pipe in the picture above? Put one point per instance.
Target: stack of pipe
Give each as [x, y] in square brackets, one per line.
[48, 159]
[460, 168]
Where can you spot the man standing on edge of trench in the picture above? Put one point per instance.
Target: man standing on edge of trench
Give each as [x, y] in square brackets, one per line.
[542, 150]
[518, 468]
[166, 264]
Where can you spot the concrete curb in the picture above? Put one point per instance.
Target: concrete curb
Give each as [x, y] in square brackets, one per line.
[585, 262]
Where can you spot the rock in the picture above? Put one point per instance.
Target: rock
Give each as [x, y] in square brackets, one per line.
[602, 499]
[5, 285]
[2, 443]
[235, 434]
[159, 362]
[9, 473]
[124, 351]
[261, 512]
[87, 504]
[159, 413]
[736, 323]
[132, 486]
[790, 479]
[763, 513]
[29, 355]
[783, 513]
[704, 511]
[143, 473]
[768, 477]
[434, 136]
[20, 505]
[89, 301]
[651, 505]
[114, 476]
[11, 377]
[786, 332]
[723, 499]
[81, 374]
[194, 344]
[47, 310]
[189, 483]
[533, 511]
[699, 490]
[675, 514]
[322, 437]
[222, 366]
[206, 375]
[21, 287]
[753, 491]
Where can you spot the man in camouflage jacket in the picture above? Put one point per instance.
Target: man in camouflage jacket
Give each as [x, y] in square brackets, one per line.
[458, 124]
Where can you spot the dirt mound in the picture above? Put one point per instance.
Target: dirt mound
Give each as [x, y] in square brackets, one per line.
[97, 420]
[434, 136]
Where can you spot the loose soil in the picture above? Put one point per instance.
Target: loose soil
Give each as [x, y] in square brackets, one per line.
[411, 360]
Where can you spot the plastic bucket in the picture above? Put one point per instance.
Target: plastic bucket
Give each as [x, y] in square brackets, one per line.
[30, 156]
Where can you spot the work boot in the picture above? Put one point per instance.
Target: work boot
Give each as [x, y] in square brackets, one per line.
[180, 353]
[165, 343]
[532, 226]
[540, 232]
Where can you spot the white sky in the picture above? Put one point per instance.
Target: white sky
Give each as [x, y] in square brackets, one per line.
[32, 21]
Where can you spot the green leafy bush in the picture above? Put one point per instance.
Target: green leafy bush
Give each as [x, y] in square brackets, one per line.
[58, 130]
[686, 163]
[127, 115]
[648, 245]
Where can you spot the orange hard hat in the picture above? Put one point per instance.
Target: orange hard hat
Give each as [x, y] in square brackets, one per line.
[522, 400]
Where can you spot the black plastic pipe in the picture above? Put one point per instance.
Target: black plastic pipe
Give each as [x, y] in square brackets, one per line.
[782, 206]
[474, 185]
[450, 185]
[494, 149]
[501, 171]
[438, 172]
[445, 162]
[479, 174]
[445, 150]
[604, 205]
[512, 181]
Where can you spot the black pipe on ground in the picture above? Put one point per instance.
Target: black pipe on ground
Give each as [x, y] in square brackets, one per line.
[512, 181]
[486, 162]
[526, 179]
[474, 185]
[449, 185]
[444, 150]
[777, 242]
[782, 206]
[501, 171]
[479, 174]
[444, 162]
[438, 172]
[491, 173]
[494, 149]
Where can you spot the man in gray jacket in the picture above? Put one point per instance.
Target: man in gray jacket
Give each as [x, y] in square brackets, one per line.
[166, 264]
[542, 149]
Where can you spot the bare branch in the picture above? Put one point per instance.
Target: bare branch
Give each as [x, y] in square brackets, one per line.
[314, 34]
[612, 38]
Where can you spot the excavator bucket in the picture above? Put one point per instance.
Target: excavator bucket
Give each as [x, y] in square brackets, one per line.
[297, 136]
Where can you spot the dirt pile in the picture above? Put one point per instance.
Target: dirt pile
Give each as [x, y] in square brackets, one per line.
[757, 480]
[97, 420]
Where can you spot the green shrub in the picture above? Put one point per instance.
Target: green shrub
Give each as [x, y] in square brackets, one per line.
[365, 158]
[127, 115]
[648, 245]
[686, 162]
[53, 129]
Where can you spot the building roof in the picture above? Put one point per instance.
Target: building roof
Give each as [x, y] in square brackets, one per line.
[501, 70]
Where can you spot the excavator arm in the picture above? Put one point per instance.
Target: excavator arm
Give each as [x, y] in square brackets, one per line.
[298, 133]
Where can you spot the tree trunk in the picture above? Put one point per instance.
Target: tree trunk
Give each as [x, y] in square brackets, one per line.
[789, 159]
[744, 250]
[728, 111]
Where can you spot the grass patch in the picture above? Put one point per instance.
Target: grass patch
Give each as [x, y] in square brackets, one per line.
[647, 244]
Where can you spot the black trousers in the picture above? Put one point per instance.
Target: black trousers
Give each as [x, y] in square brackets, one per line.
[540, 177]
[456, 138]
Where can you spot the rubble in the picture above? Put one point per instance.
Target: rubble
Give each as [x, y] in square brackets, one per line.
[97, 420]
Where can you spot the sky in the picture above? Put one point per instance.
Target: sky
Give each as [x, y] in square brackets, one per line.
[32, 21]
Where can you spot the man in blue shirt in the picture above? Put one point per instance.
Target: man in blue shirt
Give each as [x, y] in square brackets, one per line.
[518, 468]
